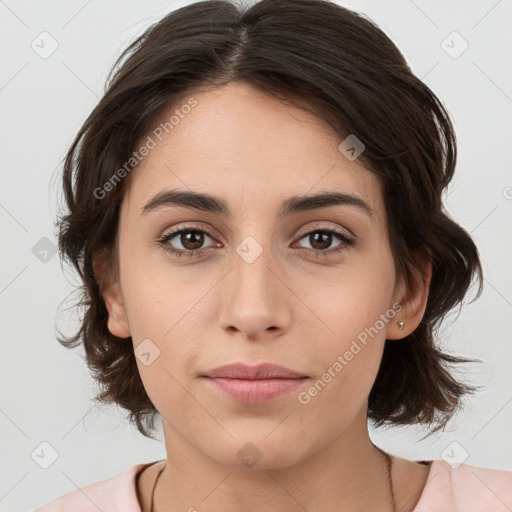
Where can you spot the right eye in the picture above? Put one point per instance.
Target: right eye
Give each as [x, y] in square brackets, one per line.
[190, 238]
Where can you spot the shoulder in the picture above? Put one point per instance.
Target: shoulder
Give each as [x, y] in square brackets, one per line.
[465, 488]
[117, 493]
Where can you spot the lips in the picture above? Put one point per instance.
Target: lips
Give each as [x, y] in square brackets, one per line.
[254, 384]
[258, 372]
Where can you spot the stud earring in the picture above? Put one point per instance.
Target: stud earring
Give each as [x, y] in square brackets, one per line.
[400, 325]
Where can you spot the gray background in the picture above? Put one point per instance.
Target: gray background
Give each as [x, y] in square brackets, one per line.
[46, 390]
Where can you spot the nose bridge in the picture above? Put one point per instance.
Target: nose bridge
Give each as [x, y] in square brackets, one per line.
[250, 264]
[254, 300]
[251, 275]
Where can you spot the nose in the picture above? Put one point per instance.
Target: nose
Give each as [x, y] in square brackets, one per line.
[255, 301]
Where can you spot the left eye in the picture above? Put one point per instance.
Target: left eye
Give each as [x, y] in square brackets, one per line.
[323, 238]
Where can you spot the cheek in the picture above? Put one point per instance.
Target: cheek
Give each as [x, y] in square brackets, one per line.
[354, 319]
[348, 361]
[154, 293]
[352, 302]
[165, 307]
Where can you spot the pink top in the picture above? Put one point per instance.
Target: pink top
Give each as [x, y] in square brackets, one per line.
[464, 489]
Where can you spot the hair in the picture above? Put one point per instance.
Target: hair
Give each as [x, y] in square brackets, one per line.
[328, 60]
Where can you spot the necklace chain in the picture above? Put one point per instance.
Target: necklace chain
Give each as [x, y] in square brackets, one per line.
[153, 491]
[391, 494]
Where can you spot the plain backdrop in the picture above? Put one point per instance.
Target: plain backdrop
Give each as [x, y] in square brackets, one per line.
[47, 416]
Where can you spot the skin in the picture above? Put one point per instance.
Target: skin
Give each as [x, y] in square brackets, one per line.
[288, 307]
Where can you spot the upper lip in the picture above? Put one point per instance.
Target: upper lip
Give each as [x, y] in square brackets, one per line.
[258, 372]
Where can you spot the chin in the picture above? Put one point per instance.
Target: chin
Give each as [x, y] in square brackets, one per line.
[260, 452]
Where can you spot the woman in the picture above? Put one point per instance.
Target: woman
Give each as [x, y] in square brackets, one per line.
[254, 207]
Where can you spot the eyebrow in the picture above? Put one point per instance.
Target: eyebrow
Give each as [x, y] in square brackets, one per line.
[208, 203]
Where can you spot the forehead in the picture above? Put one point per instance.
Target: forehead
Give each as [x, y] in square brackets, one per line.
[242, 144]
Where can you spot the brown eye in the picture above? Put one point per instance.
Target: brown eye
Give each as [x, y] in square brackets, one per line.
[191, 240]
[321, 240]
[188, 241]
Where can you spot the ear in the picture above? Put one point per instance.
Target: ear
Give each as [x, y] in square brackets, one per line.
[110, 290]
[414, 302]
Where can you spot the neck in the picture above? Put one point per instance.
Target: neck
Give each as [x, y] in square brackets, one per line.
[333, 477]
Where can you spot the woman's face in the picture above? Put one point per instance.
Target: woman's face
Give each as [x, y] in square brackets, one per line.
[265, 286]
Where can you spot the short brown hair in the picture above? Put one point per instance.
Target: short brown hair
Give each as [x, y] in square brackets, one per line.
[330, 61]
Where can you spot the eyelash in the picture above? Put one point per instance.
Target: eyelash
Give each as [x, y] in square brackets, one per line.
[163, 241]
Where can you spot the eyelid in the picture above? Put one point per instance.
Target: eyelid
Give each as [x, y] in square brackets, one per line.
[321, 226]
[189, 227]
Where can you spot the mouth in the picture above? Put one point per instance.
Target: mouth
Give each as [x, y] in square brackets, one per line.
[248, 372]
[254, 384]
[255, 391]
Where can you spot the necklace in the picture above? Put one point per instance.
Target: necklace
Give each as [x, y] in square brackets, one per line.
[391, 494]
[152, 509]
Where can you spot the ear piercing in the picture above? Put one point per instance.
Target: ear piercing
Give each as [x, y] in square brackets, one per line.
[400, 324]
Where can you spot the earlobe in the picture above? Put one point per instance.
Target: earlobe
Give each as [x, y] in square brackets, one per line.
[117, 322]
[413, 306]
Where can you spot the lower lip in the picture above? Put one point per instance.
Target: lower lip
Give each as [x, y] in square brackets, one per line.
[255, 391]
